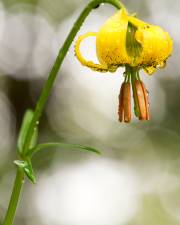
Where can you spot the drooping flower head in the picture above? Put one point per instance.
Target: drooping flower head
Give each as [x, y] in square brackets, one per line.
[127, 41]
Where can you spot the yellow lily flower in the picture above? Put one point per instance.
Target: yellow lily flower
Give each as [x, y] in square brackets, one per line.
[127, 41]
[112, 47]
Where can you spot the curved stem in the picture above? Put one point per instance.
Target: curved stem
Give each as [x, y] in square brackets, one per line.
[61, 55]
[19, 180]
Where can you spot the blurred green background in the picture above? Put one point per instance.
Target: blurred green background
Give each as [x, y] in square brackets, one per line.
[136, 181]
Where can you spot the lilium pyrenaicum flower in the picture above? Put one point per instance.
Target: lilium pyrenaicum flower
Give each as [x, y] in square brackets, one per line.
[127, 41]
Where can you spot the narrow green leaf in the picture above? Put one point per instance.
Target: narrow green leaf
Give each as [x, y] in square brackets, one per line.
[26, 166]
[61, 145]
[30, 172]
[20, 163]
[23, 132]
[34, 138]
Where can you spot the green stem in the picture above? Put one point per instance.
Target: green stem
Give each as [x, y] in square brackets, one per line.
[9, 217]
[61, 55]
[19, 180]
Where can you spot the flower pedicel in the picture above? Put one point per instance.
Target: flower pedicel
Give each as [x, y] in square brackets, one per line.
[127, 41]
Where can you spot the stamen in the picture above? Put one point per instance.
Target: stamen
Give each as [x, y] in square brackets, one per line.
[125, 103]
[146, 95]
[142, 100]
[121, 110]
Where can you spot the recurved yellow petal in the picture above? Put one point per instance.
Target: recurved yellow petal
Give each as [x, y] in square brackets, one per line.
[113, 51]
[111, 40]
[156, 45]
